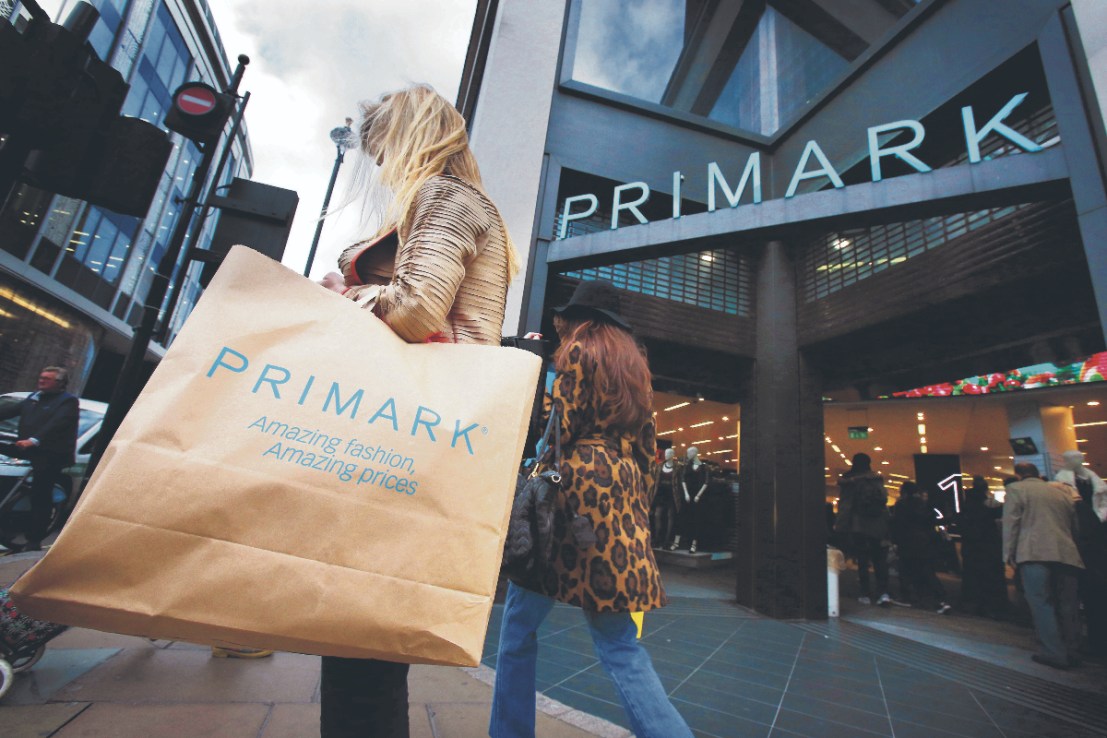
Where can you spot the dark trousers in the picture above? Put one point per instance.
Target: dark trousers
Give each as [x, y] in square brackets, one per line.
[46, 474]
[917, 577]
[363, 698]
[1093, 593]
[868, 550]
[1050, 589]
[662, 519]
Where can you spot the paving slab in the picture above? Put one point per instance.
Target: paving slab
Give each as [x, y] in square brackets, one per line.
[38, 721]
[163, 675]
[292, 721]
[433, 683]
[56, 669]
[107, 720]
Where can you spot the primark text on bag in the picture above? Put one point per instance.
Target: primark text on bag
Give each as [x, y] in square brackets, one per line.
[296, 477]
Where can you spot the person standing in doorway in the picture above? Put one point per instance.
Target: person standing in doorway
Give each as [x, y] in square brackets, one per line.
[48, 422]
[1091, 512]
[603, 396]
[915, 538]
[863, 514]
[983, 581]
[1039, 537]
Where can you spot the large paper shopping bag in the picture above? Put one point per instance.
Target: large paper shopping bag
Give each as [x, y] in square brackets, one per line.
[296, 477]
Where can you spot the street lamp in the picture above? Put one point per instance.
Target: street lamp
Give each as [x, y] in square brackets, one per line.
[341, 136]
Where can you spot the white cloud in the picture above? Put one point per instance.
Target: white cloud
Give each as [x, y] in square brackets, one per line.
[309, 65]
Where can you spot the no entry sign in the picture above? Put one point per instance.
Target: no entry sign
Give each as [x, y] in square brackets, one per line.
[195, 99]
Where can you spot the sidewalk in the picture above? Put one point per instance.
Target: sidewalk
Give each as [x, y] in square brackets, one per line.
[99, 685]
[729, 671]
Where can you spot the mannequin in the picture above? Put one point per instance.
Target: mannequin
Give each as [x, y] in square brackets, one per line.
[1091, 509]
[664, 508]
[693, 484]
[1092, 489]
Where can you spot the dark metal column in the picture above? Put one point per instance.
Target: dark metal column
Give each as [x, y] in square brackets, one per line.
[781, 557]
[1081, 129]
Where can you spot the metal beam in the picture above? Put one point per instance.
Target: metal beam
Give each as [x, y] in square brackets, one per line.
[1003, 181]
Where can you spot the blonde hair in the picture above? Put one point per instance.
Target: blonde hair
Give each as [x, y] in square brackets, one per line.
[415, 134]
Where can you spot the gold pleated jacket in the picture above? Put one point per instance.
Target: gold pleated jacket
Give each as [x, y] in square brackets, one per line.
[450, 278]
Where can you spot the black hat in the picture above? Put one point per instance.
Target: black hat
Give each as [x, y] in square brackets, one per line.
[594, 299]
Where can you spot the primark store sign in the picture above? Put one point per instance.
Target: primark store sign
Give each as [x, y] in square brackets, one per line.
[631, 196]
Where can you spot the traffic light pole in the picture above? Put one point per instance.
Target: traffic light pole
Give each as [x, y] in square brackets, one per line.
[127, 385]
[175, 287]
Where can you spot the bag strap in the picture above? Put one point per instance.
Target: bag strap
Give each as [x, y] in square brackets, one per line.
[553, 427]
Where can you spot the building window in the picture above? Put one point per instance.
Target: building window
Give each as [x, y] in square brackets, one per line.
[836, 260]
[104, 32]
[751, 64]
[718, 280]
[162, 69]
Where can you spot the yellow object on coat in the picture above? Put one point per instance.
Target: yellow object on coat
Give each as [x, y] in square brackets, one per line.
[638, 617]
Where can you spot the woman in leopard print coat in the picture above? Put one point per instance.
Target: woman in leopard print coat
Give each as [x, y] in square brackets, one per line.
[603, 394]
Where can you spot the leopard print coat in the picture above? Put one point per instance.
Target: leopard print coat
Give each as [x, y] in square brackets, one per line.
[606, 476]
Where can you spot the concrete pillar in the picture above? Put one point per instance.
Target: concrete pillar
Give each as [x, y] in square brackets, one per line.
[1049, 427]
[781, 557]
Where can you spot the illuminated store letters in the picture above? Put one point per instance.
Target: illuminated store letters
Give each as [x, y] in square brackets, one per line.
[751, 173]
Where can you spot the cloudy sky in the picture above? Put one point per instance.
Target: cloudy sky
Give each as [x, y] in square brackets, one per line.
[309, 65]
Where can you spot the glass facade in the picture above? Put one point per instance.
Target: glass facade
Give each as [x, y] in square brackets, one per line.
[749, 65]
[717, 280]
[103, 256]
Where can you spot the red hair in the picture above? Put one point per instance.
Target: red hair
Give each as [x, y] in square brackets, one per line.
[622, 373]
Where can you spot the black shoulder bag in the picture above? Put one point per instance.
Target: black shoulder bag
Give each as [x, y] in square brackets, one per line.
[530, 529]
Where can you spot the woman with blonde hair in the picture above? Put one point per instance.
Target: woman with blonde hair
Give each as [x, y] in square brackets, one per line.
[438, 269]
[604, 399]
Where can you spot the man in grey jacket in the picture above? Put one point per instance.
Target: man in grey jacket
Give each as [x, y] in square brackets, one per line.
[1039, 537]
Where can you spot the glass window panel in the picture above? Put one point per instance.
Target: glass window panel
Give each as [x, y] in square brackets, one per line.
[751, 66]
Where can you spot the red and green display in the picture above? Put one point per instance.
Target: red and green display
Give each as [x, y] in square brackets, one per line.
[1092, 369]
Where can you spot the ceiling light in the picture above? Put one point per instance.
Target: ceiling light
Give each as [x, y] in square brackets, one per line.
[700, 425]
[1093, 403]
[1081, 440]
[922, 449]
[871, 430]
[665, 433]
[725, 418]
[835, 447]
[680, 429]
[983, 448]
[877, 448]
[706, 440]
[1085, 425]
[998, 468]
[922, 429]
[674, 407]
[922, 439]
[733, 436]
[885, 463]
[920, 416]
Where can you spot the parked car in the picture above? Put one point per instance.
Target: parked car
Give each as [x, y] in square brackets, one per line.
[15, 473]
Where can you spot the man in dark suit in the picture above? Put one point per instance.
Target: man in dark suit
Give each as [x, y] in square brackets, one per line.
[48, 439]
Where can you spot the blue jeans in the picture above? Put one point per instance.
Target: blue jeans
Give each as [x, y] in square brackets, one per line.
[1050, 591]
[614, 636]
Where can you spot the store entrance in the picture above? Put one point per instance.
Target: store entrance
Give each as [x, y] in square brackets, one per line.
[692, 515]
[943, 440]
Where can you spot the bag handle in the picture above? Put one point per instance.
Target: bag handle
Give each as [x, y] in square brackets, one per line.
[553, 427]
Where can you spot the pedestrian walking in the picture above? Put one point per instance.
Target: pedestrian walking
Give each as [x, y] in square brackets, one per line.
[1091, 514]
[48, 422]
[602, 392]
[445, 281]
